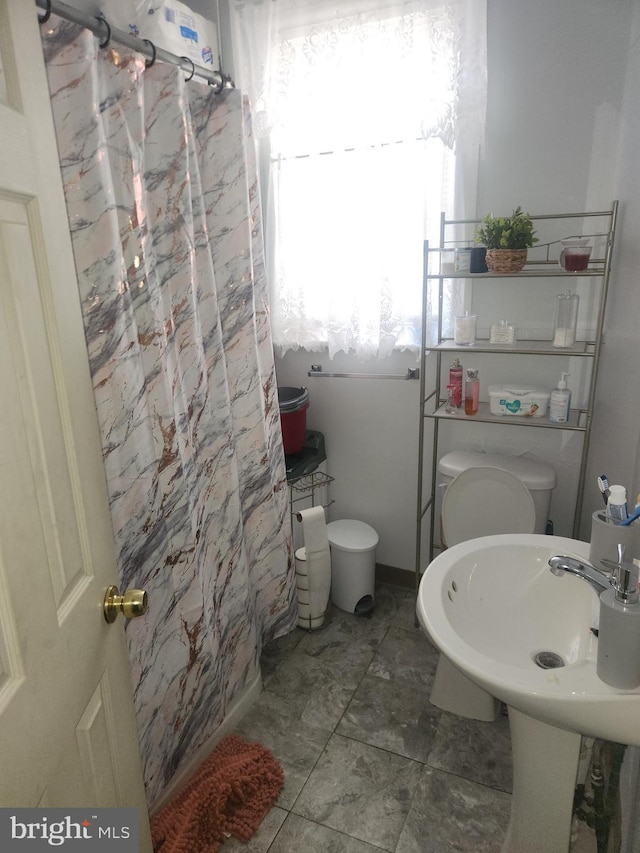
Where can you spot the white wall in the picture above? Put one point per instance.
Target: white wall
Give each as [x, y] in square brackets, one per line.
[555, 91]
[556, 86]
[371, 434]
[554, 67]
[562, 86]
[615, 446]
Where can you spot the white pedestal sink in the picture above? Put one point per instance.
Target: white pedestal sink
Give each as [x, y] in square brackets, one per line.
[491, 605]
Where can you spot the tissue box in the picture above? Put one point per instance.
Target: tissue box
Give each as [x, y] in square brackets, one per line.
[524, 401]
[170, 25]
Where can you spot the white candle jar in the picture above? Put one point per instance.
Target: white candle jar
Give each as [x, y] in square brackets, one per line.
[464, 334]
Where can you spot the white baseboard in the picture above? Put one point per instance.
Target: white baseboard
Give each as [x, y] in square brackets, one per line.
[240, 706]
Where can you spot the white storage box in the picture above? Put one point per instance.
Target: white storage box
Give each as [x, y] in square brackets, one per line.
[170, 25]
[523, 401]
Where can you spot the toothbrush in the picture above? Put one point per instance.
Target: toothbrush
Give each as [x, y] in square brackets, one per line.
[603, 485]
[632, 517]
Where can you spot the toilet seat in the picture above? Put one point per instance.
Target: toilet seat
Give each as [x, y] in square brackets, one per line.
[486, 501]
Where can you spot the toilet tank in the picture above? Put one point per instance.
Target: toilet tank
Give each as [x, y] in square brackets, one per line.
[538, 477]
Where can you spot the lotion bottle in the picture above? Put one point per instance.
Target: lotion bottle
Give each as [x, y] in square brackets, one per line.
[560, 402]
[618, 662]
[471, 393]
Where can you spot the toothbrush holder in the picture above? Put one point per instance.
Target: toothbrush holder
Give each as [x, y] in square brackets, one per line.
[606, 535]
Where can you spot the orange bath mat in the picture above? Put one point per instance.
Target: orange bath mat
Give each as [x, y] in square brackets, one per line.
[229, 794]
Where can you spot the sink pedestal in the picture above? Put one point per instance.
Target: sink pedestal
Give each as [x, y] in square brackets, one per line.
[545, 766]
[453, 692]
[491, 605]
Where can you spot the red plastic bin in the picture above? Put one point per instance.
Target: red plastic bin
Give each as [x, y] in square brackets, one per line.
[294, 403]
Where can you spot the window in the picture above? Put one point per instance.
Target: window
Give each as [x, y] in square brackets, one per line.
[357, 106]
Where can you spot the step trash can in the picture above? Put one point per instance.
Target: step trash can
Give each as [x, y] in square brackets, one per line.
[353, 564]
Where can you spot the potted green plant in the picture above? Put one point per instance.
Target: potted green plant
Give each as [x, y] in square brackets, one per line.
[507, 240]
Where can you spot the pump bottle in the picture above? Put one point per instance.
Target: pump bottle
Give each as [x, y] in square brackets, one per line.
[560, 402]
[618, 661]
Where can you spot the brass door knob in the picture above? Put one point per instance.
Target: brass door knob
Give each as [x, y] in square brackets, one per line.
[133, 603]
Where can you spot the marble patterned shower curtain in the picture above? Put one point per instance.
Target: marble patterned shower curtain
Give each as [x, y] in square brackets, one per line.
[163, 209]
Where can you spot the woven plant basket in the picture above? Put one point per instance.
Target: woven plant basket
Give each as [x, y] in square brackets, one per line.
[506, 260]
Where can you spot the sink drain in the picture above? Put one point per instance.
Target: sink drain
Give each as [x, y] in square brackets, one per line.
[548, 660]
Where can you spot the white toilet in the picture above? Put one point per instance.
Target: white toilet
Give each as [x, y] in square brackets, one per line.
[538, 477]
[486, 494]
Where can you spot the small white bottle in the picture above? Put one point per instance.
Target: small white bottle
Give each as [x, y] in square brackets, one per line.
[617, 503]
[560, 402]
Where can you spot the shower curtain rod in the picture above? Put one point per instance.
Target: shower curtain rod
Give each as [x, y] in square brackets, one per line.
[101, 28]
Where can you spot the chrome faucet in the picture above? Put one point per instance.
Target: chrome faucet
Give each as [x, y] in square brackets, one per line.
[598, 580]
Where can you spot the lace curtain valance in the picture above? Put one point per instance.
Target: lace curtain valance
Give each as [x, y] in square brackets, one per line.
[369, 114]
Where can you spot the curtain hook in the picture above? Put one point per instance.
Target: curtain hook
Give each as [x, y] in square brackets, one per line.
[42, 19]
[104, 21]
[193, 68]
[149, 62]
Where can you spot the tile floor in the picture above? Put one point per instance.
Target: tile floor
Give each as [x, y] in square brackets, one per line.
[369, 764]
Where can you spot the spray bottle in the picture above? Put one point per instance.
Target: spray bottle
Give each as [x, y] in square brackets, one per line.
[455, 378]
[560, 402]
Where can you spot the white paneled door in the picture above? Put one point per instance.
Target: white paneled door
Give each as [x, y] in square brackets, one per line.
[67, 725]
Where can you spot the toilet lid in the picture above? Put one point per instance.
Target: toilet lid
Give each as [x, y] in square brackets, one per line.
[483, 502]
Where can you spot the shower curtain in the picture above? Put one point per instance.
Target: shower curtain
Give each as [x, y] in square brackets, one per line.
[164, 214]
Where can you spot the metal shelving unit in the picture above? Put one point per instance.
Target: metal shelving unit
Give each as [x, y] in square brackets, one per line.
[438, 267]
[303, 475]
[305, 487]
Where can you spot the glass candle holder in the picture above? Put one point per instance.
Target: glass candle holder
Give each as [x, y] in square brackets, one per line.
[502, 334]
[462, 260]
[464, 334]
[451, 405]
[566, 320]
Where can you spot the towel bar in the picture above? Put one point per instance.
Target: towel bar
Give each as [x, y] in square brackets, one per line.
[316, 370]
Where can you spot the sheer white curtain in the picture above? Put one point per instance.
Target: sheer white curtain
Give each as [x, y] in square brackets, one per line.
[369, 116]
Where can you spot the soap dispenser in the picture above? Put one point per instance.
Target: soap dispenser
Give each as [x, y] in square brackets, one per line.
[560, 402]
[618, 662]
